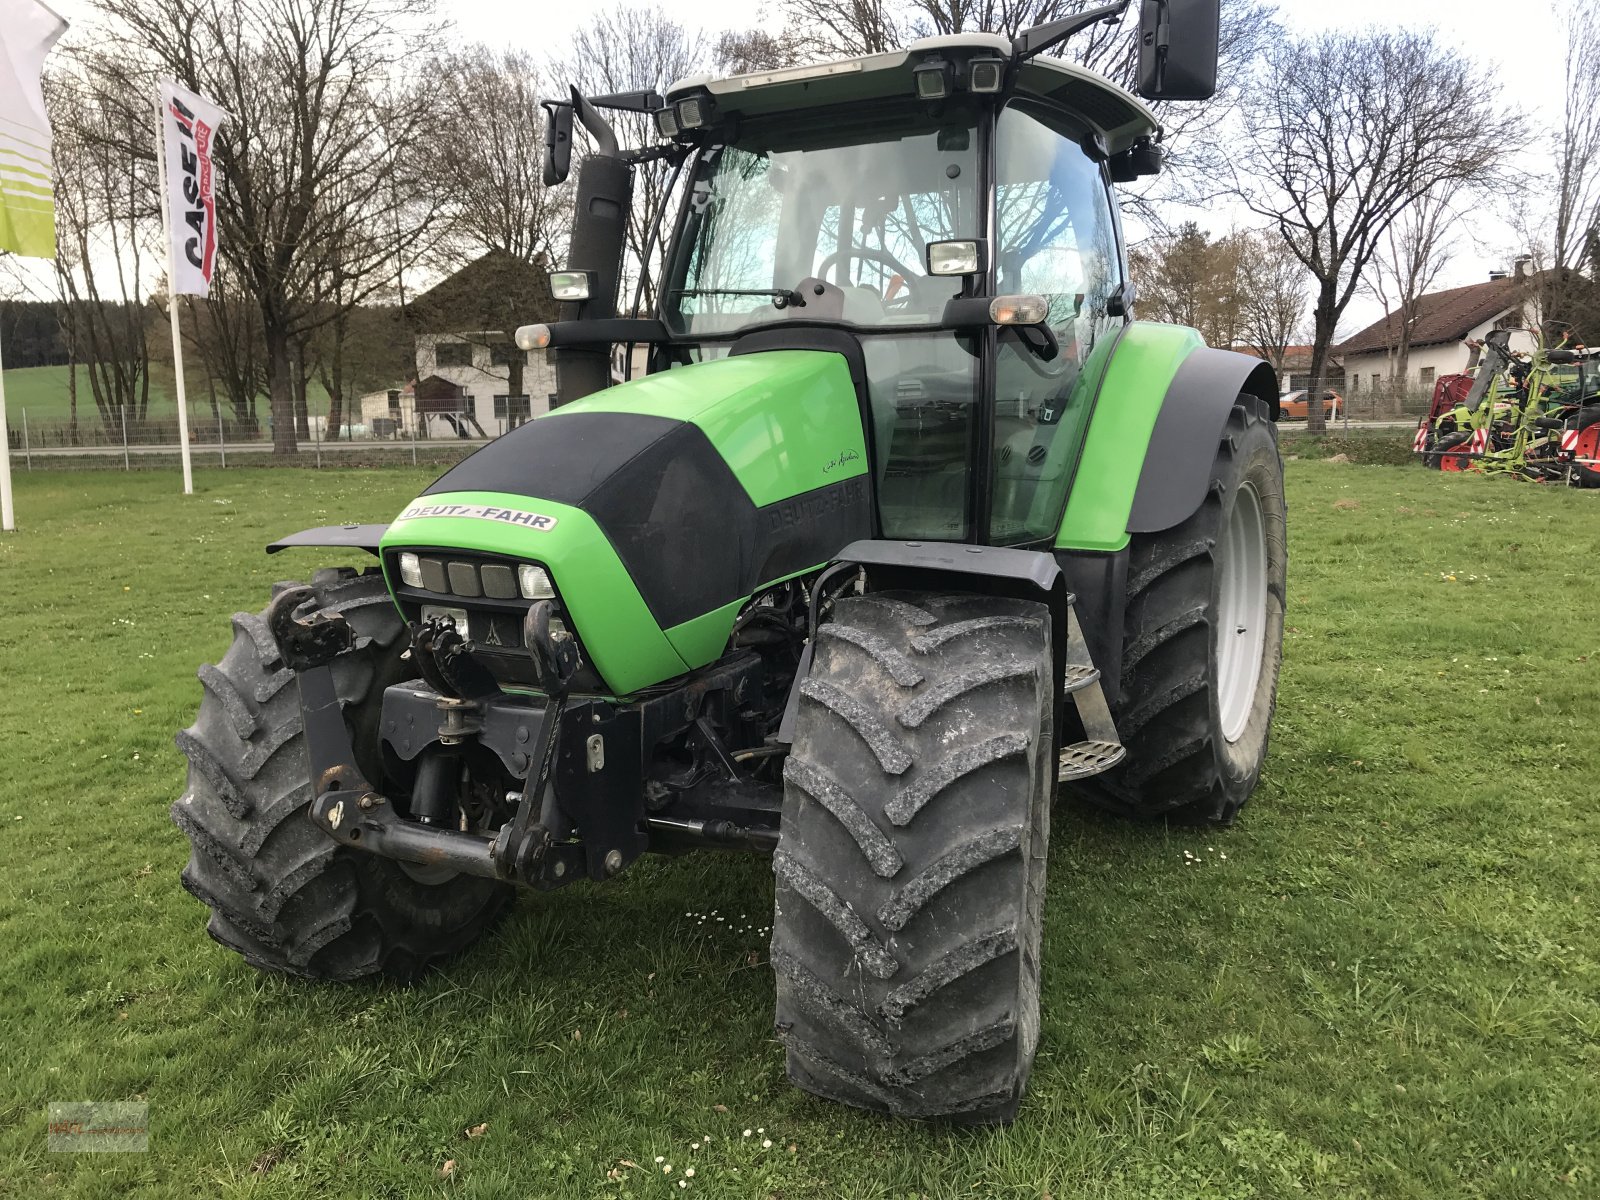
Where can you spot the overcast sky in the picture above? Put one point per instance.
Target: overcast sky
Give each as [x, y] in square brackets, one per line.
[1519, 40]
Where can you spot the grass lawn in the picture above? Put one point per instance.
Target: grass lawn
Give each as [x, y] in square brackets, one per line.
[1382, 983]
[42, 392]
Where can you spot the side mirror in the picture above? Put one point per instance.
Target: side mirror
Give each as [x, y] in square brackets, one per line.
[1178, 42]
[557, 143]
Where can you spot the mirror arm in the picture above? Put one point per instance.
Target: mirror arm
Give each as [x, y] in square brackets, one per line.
[1052, 33]
[599, 128]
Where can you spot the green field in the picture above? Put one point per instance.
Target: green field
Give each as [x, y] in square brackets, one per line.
[42, 392]
[1382, 983]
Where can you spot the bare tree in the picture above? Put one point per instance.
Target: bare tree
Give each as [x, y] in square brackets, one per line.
[842, 28]
[1413, 253]
[629, 49]
[224, 331]
[104, 222]
[1344, 132]
[1561, 228]
[486, 142]
[740, 52]
[323, 111]
[1272, 295]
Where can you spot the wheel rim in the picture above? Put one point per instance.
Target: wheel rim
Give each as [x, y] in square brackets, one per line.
[1241, 612]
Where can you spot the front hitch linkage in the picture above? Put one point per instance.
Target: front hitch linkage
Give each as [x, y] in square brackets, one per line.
[350, 810]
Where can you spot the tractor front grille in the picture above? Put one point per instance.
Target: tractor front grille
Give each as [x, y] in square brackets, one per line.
[483, 594]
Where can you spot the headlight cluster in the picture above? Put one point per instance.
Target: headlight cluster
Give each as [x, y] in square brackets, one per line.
[459, 577]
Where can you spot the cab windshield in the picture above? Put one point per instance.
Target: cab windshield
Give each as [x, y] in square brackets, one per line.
[820, 200]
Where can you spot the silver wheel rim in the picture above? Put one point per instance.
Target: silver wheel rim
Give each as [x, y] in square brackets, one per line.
[1241, 612]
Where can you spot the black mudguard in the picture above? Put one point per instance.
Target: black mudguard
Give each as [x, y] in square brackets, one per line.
[358, 537]
[1177, 464]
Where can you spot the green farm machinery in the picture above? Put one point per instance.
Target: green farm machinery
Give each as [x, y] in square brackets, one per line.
[906, 524]
[1533, 414]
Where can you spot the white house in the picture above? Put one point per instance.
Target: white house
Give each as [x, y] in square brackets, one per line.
[1444, 323]
[471, 379]
[489, 380]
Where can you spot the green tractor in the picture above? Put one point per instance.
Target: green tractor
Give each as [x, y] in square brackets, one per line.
[906, 524]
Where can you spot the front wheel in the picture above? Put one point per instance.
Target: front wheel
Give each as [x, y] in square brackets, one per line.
[283, 894]
[910, 872]
[1203, 641]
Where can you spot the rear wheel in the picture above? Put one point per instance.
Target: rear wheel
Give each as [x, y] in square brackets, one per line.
[910, 873]
[1588, 446]
[281, 892]
[1449, 454]
[1203, 641]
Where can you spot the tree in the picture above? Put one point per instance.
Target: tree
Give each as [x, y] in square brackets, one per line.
[1562, 230]
[1189, 279]
[105, 219]
[1412, 255]
[1272, 295]
[486, 143]
[225, 330]
[629, 49]
[1344, 132]
[324, 114]
[741, 52]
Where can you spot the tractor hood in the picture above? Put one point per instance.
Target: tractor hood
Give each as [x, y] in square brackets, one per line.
[659, 506]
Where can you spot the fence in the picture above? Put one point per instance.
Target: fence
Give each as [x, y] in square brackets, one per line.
[213, 439]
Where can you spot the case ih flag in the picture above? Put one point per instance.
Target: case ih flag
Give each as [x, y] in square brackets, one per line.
[189, 126]
[27, 205]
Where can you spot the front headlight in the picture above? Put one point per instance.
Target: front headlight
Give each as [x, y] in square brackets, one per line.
[535, 583]
[411, 570]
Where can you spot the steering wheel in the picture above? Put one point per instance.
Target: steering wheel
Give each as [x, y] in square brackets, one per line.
[878, 256]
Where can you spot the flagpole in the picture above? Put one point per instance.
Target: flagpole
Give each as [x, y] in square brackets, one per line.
[172, 298]
[8, 516]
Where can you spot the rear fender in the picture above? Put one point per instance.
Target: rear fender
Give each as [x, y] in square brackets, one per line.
[1158, 416]
[1194, 412]
[1146, 463]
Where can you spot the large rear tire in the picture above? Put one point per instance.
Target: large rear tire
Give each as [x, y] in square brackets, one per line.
[910, 873]
[1449, 453]
[1588, 447]
[281, 892]
[1203, 641]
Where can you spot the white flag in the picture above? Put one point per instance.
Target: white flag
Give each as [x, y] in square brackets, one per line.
[188, 127]
[27, 207]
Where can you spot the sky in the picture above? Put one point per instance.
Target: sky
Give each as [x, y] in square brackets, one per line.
[1519, 41]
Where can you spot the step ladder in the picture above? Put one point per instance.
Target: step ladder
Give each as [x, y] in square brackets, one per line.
[1102, 748]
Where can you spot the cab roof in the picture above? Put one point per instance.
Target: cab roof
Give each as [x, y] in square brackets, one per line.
[1117, 116]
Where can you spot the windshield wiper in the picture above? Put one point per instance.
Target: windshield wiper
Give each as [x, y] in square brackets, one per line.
[780, 297]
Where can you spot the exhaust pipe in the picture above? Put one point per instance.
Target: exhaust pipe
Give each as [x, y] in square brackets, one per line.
[599, 237]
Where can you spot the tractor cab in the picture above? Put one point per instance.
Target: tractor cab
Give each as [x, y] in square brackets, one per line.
[942, 215]
[974, 319]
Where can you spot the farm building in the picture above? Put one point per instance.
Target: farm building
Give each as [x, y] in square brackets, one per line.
[1444, 321]
[471, 379]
